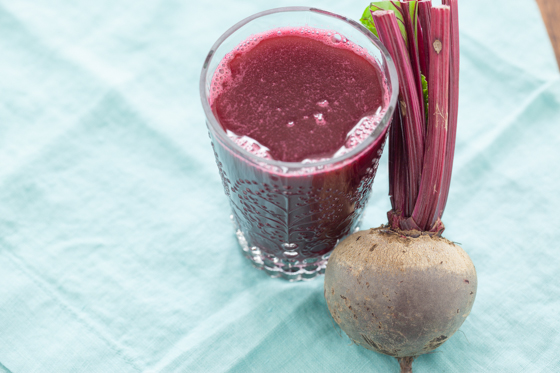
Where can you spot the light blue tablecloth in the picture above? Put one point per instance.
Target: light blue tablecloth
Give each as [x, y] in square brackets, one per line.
[116, 250]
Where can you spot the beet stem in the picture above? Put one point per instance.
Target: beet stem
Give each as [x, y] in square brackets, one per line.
[453, 105]
[422, 40]
[426, 207]
[397, 165]
[410, 15]
[424, 20]
[409, 105]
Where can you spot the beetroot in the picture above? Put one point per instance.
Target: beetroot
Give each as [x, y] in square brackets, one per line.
[402, 289]
[399, 293]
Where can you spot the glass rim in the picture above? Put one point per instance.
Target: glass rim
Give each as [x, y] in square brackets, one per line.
[376, 133]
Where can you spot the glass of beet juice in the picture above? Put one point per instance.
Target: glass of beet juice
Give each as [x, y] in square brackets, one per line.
[298, 102]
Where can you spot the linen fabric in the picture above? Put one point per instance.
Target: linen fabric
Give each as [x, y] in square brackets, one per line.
[116, 249]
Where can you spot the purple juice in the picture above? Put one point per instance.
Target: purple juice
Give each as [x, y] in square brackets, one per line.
[305, 96]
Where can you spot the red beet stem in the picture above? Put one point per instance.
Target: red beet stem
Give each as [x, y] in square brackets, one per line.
[410, 14]
[426, 208]
[453, 105]
[424, 7]
[409, 105]
[421, 54]
[397, 165]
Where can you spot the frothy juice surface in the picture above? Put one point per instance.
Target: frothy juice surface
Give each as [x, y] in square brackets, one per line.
[298, 96]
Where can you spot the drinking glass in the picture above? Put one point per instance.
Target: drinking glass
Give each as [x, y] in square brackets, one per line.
[288, 216]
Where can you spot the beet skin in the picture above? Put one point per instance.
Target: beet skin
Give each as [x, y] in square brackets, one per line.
[399, 293]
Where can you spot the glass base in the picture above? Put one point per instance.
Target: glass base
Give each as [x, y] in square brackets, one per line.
[289, 269]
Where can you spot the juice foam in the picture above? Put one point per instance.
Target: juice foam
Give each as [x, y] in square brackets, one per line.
[298, 95]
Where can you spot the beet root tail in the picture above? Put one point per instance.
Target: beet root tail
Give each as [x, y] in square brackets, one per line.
[406, 363]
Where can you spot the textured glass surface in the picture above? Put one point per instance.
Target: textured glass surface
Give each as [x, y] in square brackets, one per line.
[289, 216]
